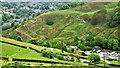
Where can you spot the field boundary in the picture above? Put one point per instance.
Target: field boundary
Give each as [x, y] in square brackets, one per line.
[32, 60]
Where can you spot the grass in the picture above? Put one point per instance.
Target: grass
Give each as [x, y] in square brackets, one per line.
[2, 62]
[12, 51]
[67, 23]
[115, 62]
[37, 47]
[63, 21]
[18, 52]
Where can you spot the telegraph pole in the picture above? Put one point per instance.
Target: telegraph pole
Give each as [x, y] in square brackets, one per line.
[62, 46]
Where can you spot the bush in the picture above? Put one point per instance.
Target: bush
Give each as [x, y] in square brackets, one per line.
[86, 8]
[55, 43]
[83, 47]
[112, 59]
[15, 25]
[113, 44]
[63, 7]
[18, 38]
[59, 57]
[98, 41]
[48, 53]
[14, 65]
[72, 59]
[99, 17]
[39, 42]
[50, 23]
[5, 27]
[64, 47]
[33, 41]
[115, 18]
[94, 58]
[71, 50]
[119, 4]
[75, 4]
[86, 17]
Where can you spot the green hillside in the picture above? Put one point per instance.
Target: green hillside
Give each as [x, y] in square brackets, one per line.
[64, 37]
[68, 23]
[11, 51]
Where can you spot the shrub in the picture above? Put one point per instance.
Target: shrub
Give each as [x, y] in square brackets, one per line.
[33, 41]
[98, 41]
[113, 44]
[76, 39]
[119, 4]
[90, 39]
[5, 27]
[39, 42]
[63, 7]
[85, 8]
[72, 59]
[46, 43]
[50, 23]
[99, 17]
[44, 53]
[75, 4]
[55, 43]
[64, 47]
[18, 38]
[14, 65]
[83, 47]
[94, 58]
[48, 53]
[15, 25]
[115, 18]
[60, 57]
[86, 17]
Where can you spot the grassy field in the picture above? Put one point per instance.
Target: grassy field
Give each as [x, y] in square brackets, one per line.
[12, 51]
[36, 47]
[18, 52]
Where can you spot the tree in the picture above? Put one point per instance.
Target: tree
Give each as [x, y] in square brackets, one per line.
[55, 43]
[6, 17]
[76, 39]
[46, 42]
[64, 47]
[118, 3]
[99, 17]
[113, 44]
[63, 7]
[83, 47]
[15, 25]
[33, 41]
[75, 4]
[18, 38]
[98, 41]
[90, 39]
[93, 58]
[115, 18]
[50, 23]
[104, 43]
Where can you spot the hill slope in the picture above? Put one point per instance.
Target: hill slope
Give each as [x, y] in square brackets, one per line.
[66, 24]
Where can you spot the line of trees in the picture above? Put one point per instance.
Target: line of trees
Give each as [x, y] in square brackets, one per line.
[89, 43]
[70, 5]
